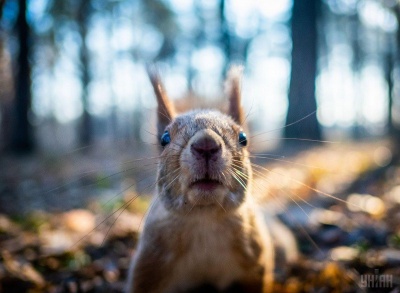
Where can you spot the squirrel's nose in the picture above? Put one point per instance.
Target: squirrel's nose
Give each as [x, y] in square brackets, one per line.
[206, 147]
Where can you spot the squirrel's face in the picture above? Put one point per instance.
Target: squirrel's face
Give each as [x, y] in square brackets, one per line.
[204, 162]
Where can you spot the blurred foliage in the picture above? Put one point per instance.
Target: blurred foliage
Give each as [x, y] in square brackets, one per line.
[193, 43]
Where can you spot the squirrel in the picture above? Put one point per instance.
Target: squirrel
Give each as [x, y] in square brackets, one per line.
[204, 232]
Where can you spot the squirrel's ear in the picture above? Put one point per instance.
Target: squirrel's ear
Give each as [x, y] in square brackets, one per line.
[165, 109]
[233, 88]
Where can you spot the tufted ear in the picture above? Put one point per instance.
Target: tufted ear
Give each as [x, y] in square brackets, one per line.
[165, 109]
[233, 89]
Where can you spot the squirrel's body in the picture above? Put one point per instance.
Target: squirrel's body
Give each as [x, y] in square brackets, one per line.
[203, 228]
[220, 251]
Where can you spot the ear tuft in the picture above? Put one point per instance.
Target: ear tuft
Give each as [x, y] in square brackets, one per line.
[233, 89]
[165, 109]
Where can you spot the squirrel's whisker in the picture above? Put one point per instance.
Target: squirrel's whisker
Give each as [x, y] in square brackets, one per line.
[283, 206]
[98, 180]
[125, 205]
[177, 176]
[305, 185]
[105, 219]
[248, 113]
[287, 125]
[152, 204]
[291, 198]
[287, 161]
[299, 139]
[238, 180]
[215, 198]
[193, 205]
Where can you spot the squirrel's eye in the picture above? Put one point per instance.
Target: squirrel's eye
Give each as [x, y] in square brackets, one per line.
[165, 138]
[242, 138]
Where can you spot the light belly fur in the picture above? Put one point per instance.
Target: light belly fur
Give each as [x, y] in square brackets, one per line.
[209, 260]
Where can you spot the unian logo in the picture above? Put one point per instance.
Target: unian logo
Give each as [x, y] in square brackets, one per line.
[376, 280]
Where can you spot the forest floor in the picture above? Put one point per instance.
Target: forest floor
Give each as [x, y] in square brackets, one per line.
[341, 201]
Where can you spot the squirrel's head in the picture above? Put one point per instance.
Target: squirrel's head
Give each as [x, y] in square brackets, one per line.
[204, 162]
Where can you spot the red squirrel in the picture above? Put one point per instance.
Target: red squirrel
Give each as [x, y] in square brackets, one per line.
[204, 229]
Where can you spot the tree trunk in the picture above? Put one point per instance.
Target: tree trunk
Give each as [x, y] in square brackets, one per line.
[302, 78]
[85, 131]
[358, 130]
[6, 96]
[225, 37]
[1, 8]
[22, 136]
[396, 127]
[389, 69]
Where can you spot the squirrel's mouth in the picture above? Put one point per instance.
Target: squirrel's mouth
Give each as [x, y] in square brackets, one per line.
[206, 184]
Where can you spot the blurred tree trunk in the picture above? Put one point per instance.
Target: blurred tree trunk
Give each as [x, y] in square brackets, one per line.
[396, 127]
[4, 104]
[225, 38]
[357, 62]
[1, 7]
[85, 131]
[389, 71]
[6, 96]
[304, 66]
[22, 136]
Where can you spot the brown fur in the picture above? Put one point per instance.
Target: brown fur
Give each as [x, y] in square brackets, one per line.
[165, 110]
[234, 93]
[197, 237]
